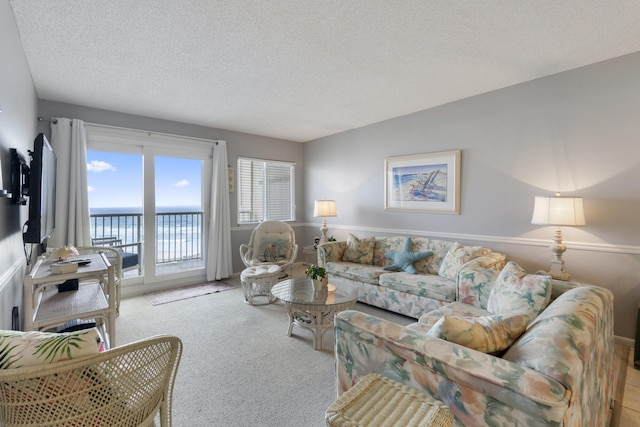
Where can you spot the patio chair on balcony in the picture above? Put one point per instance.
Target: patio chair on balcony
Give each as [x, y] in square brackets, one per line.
[130, 260]
[271, 242]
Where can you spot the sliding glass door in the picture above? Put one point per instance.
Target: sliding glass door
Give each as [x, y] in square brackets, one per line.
[146, 198]
[179, 224]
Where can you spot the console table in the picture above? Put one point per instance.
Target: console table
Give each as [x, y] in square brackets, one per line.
[95, 298]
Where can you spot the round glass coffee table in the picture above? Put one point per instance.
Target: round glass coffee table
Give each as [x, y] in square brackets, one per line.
[313, 309]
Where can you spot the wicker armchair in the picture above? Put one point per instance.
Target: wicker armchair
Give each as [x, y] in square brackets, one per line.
[271, 242]
[115, 258]
[124, 386]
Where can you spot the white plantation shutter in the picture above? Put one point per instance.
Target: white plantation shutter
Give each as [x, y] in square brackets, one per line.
[265, 190]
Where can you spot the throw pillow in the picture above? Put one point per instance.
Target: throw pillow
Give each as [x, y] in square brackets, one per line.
[19, 349]
[403, 261]
[272, 250]
[515, 291]
[457, 256]
[488, 334]
[359, 250]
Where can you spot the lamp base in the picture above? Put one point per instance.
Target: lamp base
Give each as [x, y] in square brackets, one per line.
[323, 230]
[557, 270]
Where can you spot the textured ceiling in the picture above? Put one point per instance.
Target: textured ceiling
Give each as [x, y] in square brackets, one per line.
[303, 69]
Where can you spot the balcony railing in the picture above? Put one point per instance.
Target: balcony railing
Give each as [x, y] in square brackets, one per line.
[178, 234]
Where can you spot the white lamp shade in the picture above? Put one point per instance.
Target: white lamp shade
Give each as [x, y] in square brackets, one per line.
[324, 208]
[558, 211]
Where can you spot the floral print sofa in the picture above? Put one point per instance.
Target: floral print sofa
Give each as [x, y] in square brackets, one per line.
[360, 263]
[555, 374]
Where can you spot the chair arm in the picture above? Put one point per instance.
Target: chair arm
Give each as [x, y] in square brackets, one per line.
[476, 278]
[466, 380]
[330, 252]
[245, 254]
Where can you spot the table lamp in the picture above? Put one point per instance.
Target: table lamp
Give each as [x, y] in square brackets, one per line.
[558, 211]
[324, 208]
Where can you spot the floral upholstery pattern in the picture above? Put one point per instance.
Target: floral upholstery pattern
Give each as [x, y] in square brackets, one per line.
[551, 376]
[424, 285]
[572, 341]
[404, 303]
[475, 283]
[515, 291]
[350, 270]
[488, 334]
[456, 309]
[457, 256]
[359, 250]
[411, 295]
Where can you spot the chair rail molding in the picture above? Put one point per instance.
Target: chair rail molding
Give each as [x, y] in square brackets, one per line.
[521, 241]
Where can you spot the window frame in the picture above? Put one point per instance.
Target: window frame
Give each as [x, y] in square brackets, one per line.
[255, 216]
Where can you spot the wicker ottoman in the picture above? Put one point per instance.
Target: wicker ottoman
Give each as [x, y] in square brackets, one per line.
[257, 283]
[377, 401]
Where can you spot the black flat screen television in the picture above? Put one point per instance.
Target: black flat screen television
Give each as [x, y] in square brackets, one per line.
[41, 189]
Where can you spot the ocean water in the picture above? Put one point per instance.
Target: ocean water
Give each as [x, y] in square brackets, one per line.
[178, 229]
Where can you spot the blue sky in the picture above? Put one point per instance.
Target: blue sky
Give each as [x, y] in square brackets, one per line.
[115, 180]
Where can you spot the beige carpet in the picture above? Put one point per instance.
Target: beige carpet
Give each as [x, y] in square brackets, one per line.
[177, 294]
[239, 368]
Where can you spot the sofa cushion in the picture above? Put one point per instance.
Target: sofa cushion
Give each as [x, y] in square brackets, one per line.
[20, 349]
[457, 256]
[515, 291]
[359, 250]
[457, 309]
[424, 285]
[403, 260]
[359, 272]
[488, 334]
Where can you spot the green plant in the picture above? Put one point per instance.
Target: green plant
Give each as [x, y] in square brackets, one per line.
[315, 272]
[331, 239]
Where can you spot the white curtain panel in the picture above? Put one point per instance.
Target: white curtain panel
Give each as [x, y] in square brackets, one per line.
[219, 264]
[69, 142]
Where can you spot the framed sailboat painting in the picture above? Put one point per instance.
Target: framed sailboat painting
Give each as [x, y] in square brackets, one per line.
[423, 182]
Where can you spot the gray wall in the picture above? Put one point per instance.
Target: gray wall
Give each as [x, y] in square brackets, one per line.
[575, 132]
[17, 130]
[238, 145]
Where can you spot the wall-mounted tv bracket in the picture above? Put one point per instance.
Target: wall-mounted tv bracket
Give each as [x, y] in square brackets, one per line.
[19, 178]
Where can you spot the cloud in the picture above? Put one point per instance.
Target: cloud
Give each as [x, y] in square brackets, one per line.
[100, 166]
[90, 188]
[182, 183]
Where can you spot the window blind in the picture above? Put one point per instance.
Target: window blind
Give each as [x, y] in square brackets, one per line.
[265, 190]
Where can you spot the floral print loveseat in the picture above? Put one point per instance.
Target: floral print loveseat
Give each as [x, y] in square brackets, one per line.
[557, 373]
[361, 263]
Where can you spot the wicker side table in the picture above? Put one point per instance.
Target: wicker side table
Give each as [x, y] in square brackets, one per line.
[377, 401]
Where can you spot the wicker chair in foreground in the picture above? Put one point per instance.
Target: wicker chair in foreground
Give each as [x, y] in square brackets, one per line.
[124, 386]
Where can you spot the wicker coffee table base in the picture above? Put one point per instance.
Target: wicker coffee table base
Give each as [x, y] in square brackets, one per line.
[316, 318]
